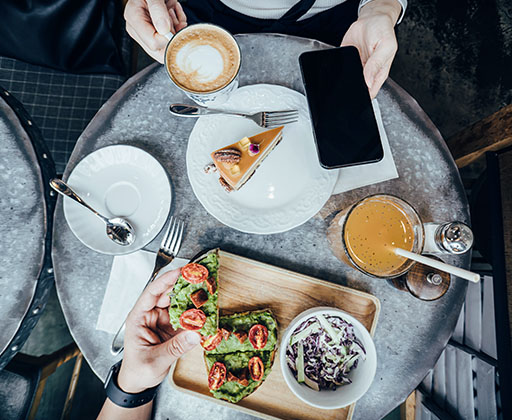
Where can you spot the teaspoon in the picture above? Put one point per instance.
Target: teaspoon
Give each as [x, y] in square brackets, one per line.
[118, 229]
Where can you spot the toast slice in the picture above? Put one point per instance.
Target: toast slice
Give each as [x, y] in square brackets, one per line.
[182, 301]
[236, 365]
[235, 350]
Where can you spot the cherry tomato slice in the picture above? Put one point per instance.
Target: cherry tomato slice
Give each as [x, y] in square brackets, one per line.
[217, 375]
[211, 285]
[258, 335]
[193, 319]
[194, 273]
[256, 368]
[212, 341]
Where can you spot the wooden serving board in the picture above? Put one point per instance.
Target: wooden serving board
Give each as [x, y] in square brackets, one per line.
[246, 285]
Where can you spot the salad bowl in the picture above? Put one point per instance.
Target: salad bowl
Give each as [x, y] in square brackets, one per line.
[357, 344]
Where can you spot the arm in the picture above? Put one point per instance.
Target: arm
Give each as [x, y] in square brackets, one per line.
[113, 412]
[151, 346]
[148, 21]
[374, 36]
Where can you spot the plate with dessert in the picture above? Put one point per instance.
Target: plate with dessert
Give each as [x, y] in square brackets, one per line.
[254, 179]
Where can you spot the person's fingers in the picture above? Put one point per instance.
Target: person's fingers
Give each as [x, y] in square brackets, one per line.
[138, 19]
[353, 37]
[174, 19]
[163, 325]
[376, 69]
[152, 294]
[380, 78]
[158, 54]
[160, 16]
[180, 14]
[165, 300]
[178, 345]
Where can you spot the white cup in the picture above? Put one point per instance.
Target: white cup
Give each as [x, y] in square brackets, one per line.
[215, 96]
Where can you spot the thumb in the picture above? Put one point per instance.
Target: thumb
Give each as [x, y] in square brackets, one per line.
[159, 16]
[180, 344]
[375, 74]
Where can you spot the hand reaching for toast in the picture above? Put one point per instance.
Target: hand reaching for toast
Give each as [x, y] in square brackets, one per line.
[151, 345]
[147, 21]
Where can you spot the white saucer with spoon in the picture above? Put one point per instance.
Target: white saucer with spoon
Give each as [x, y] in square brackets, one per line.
[118, 181]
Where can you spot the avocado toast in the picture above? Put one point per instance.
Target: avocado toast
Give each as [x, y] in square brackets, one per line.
[239, 348]
[243, 357]
[194, 296]
[238, 382]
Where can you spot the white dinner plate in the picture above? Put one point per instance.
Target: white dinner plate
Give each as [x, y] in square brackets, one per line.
[287, 189]
[121, 181]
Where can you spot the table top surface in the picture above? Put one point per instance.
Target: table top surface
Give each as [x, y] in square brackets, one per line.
[22, 223]
[410, 333]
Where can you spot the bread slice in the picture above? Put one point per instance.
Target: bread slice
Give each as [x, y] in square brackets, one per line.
[180, 295]
[236, 363]
[235, 355]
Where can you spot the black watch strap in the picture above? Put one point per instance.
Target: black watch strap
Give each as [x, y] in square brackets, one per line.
[125, 399]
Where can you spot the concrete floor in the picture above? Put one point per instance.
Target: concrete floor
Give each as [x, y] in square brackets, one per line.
[454, 58]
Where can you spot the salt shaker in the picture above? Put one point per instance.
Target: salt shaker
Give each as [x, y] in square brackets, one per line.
[451, 237]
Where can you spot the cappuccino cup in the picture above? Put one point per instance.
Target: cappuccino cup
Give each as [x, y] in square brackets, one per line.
[203, 60]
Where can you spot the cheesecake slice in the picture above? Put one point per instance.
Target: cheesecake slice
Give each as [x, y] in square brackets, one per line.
[237, 162]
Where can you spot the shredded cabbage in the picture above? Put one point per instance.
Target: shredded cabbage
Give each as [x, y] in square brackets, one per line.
[322, 351]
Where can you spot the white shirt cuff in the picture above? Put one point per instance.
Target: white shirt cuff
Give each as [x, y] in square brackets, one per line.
[403, 3]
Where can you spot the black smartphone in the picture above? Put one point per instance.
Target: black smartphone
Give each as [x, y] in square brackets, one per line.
[340, 106]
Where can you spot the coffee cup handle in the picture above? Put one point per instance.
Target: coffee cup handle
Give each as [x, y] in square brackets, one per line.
[169, 35]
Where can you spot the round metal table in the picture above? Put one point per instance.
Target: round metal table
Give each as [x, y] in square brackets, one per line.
[410, 333]
[26, 208]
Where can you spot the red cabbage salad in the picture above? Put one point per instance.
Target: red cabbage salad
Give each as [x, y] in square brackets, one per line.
[322, 351]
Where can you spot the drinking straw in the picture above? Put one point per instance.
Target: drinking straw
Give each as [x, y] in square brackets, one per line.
[456, 271]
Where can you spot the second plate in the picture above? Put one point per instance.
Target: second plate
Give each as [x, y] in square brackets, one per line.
[287, 189]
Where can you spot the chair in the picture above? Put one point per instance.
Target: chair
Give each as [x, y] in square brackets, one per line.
[473, 377]
[22, 382]
[491, 205]
[62, 104]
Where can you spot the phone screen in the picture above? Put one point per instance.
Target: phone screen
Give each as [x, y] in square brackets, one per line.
[344, 125]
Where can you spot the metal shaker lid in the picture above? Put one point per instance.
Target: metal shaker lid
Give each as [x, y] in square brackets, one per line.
[455, 237]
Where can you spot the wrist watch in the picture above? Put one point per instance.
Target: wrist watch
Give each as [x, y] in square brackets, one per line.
[125, 399]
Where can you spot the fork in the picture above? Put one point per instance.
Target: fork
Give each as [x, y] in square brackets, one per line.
[265, 119]
[169, 248]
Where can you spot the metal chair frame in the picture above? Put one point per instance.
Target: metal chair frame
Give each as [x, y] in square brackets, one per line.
[45, 277]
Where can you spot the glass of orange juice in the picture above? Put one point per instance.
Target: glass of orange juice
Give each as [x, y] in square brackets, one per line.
[365, 234]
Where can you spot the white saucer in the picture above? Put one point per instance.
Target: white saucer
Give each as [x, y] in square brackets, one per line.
[287, 189]
[119, 181]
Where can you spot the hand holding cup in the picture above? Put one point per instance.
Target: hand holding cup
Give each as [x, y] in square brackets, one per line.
[149, 22]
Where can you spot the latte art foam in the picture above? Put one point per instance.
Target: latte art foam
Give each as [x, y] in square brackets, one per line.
[202, 62]
[202, 58]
